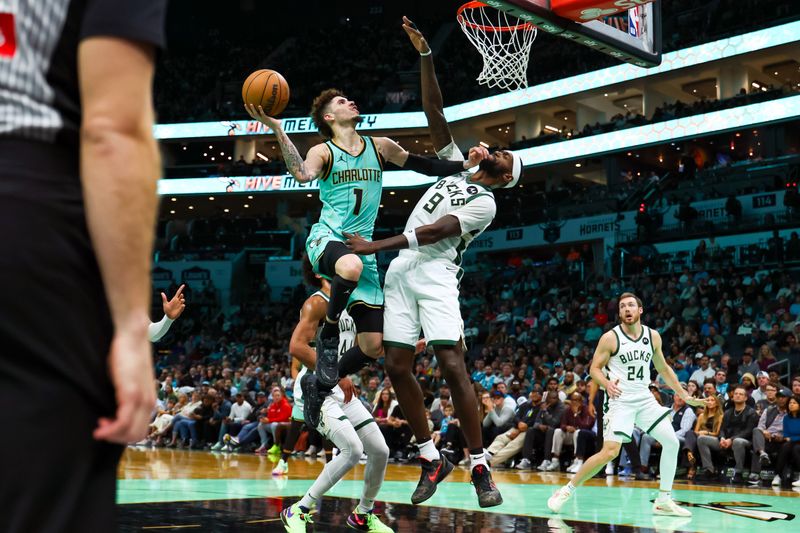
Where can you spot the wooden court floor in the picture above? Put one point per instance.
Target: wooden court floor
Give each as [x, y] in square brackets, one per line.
[165, 489]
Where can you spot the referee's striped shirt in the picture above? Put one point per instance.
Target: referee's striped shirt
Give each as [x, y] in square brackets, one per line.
[39, 96]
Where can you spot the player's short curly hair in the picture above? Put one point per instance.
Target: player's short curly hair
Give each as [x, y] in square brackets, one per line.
[318, 111]
[630, 295]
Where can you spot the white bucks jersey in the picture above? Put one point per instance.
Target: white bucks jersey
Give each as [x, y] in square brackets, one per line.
[472, 203]
[630, 364]
[347, 333]
[347, 339]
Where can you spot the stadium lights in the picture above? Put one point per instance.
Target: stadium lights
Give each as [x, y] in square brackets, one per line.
[191, 207]
[172, 212]
[174, 199]
[227, 210]
[578, 165]
[246, 206]
[262, 156]
[211, 198]
[756, 85]
[551, 128]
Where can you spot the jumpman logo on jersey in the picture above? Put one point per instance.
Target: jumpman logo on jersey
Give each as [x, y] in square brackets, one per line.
[341, 159]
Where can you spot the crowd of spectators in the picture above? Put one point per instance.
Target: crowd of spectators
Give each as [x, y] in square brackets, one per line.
[731, 334]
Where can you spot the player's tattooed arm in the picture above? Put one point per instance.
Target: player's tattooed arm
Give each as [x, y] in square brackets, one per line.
[303, 170]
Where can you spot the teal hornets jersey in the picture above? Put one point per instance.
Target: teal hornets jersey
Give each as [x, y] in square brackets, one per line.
[350, 190]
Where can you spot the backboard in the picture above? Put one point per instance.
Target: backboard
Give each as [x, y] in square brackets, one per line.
[629, 30]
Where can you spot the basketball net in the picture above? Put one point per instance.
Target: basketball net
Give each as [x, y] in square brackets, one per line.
[503, 41]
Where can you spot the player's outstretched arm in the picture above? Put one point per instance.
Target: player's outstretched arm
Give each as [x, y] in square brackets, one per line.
[302, 170]
[447, 226]
[394, 153]
[306, 330]
[432, 101]
[172, 310]
[605, 347]
[666, 372]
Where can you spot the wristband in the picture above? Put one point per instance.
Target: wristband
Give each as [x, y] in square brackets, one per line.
[426, 53]
[411, 237]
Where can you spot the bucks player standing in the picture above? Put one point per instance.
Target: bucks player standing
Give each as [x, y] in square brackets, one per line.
[344, 421]
[621, 365]
[422, 293]
[349, 168]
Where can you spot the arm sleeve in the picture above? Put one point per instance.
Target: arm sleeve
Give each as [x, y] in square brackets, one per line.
[433, 167]
[477, 213]
[156, 330]
[128, 19]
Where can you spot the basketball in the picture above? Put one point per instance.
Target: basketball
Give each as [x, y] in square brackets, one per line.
[268, 89]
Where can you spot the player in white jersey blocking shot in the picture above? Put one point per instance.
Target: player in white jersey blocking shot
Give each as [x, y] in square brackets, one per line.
[621, 365]
[421, 291]
[422, 287]
[344, 420]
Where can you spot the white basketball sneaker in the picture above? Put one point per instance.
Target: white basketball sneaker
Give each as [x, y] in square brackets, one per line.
[668, 507]
[558, 499]
[281, 469]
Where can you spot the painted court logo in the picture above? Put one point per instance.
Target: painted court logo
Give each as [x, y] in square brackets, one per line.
[753, 510]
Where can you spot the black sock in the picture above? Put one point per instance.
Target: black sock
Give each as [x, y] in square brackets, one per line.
[341, 289]
[476, 451]
[352, 361]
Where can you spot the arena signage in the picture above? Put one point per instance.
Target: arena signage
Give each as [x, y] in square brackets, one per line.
[398, 179]
[688, 57]
[673, 130]
[609, 226]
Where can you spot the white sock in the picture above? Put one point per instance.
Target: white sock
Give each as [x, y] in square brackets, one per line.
[308, 501]
[664, 495]
[570, 487]
[365, 506]
[477, 459]
[428, 450]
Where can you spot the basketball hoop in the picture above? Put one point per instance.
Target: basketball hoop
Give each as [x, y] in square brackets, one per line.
[503, 41]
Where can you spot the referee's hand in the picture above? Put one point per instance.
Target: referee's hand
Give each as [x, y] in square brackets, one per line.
[131, 366]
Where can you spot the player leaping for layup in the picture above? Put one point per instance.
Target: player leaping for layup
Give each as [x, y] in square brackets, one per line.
[350, 172]
[621, 365]
[422, 288]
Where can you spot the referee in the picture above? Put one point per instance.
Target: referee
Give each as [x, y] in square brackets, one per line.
[78, 171]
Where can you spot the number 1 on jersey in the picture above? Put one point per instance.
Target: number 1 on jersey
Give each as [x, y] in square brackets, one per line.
[359, 195]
